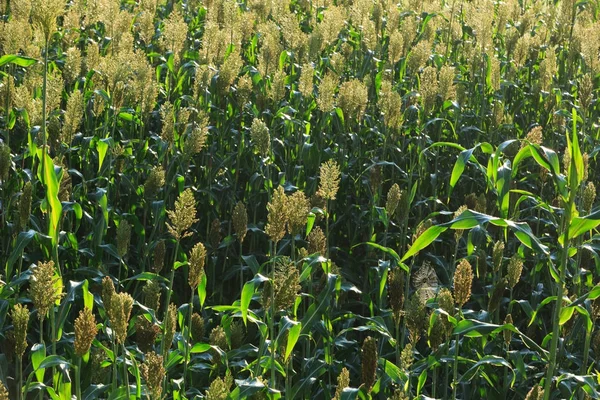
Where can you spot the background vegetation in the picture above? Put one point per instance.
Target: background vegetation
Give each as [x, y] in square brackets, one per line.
[299, 199]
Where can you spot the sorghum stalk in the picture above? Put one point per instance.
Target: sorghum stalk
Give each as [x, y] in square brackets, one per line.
[125, 371]
[455, 367]
[78, 378]
[566, 221]
[171, 278]
[272, 317]
[188, 343]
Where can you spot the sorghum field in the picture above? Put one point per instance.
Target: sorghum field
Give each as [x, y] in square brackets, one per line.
[299, 199]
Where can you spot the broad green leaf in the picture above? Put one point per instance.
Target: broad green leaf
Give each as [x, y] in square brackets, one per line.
[21, 61]
[202, 290]
[424, 240]
[293, 335]
[38, 354]
[246, 298]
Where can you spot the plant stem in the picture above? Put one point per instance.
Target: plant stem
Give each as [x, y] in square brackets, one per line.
[114, 380]
[560, 292]
[125, 371]
[78, 378]
[188, 341]
[172, 277]
[455, 372]
[20, 372]
[272, 316]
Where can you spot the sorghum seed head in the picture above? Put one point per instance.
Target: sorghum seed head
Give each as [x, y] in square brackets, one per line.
[120, 311]
[218, 337]
[329, 180]
[278, 215]
[286, 284]
[184, 215]
[240, 221]
[159, 256]
[589, 196]
[20, 318]
[463, 280]
[535, 136]
[393, 198]
[536, 393]
[507, 333]
[5, 161]
[44, 14]
[169, 326]
[396, 293]
[298, 208]
[197, 327]
[407, 357]
[416, 317]
[108, 291]
[317, 242]
[196, 140]
[352, 99]
[123, 237]
[42, 290]
[459, 232]
[343, 381]
[85, 331]
[497, 254]
[154, 182]
[369, 359]
[515, 268]
[259, 132]
[219, 389]
[3, 392]
[196, 265]
[153, 373]
[151, 291]
[145, 333]
[25, 205]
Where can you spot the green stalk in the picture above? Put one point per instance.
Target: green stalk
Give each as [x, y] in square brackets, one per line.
[41, 395]
[586, 351]
[20, 372]
[125, 371]
[560, 291]
[78, 378]
[188, 344]
[114, 370]
[44, 93]
[455, 372]
[272, 318]
[172, 277]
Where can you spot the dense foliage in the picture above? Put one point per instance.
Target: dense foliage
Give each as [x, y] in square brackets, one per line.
[299, 199]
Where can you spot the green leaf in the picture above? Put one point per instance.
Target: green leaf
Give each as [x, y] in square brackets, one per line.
[581, 225]
[200, 348]
[102, 147]
[565, 315]
[51, 181]
[21, 61]
[424, 240]
[202, 290]
[246, 298]
[459, 167]
[38, 354]
[88, 298]
[487, 360]
[293, 335]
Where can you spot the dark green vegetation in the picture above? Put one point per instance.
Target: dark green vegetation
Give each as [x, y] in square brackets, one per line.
[305, 199]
